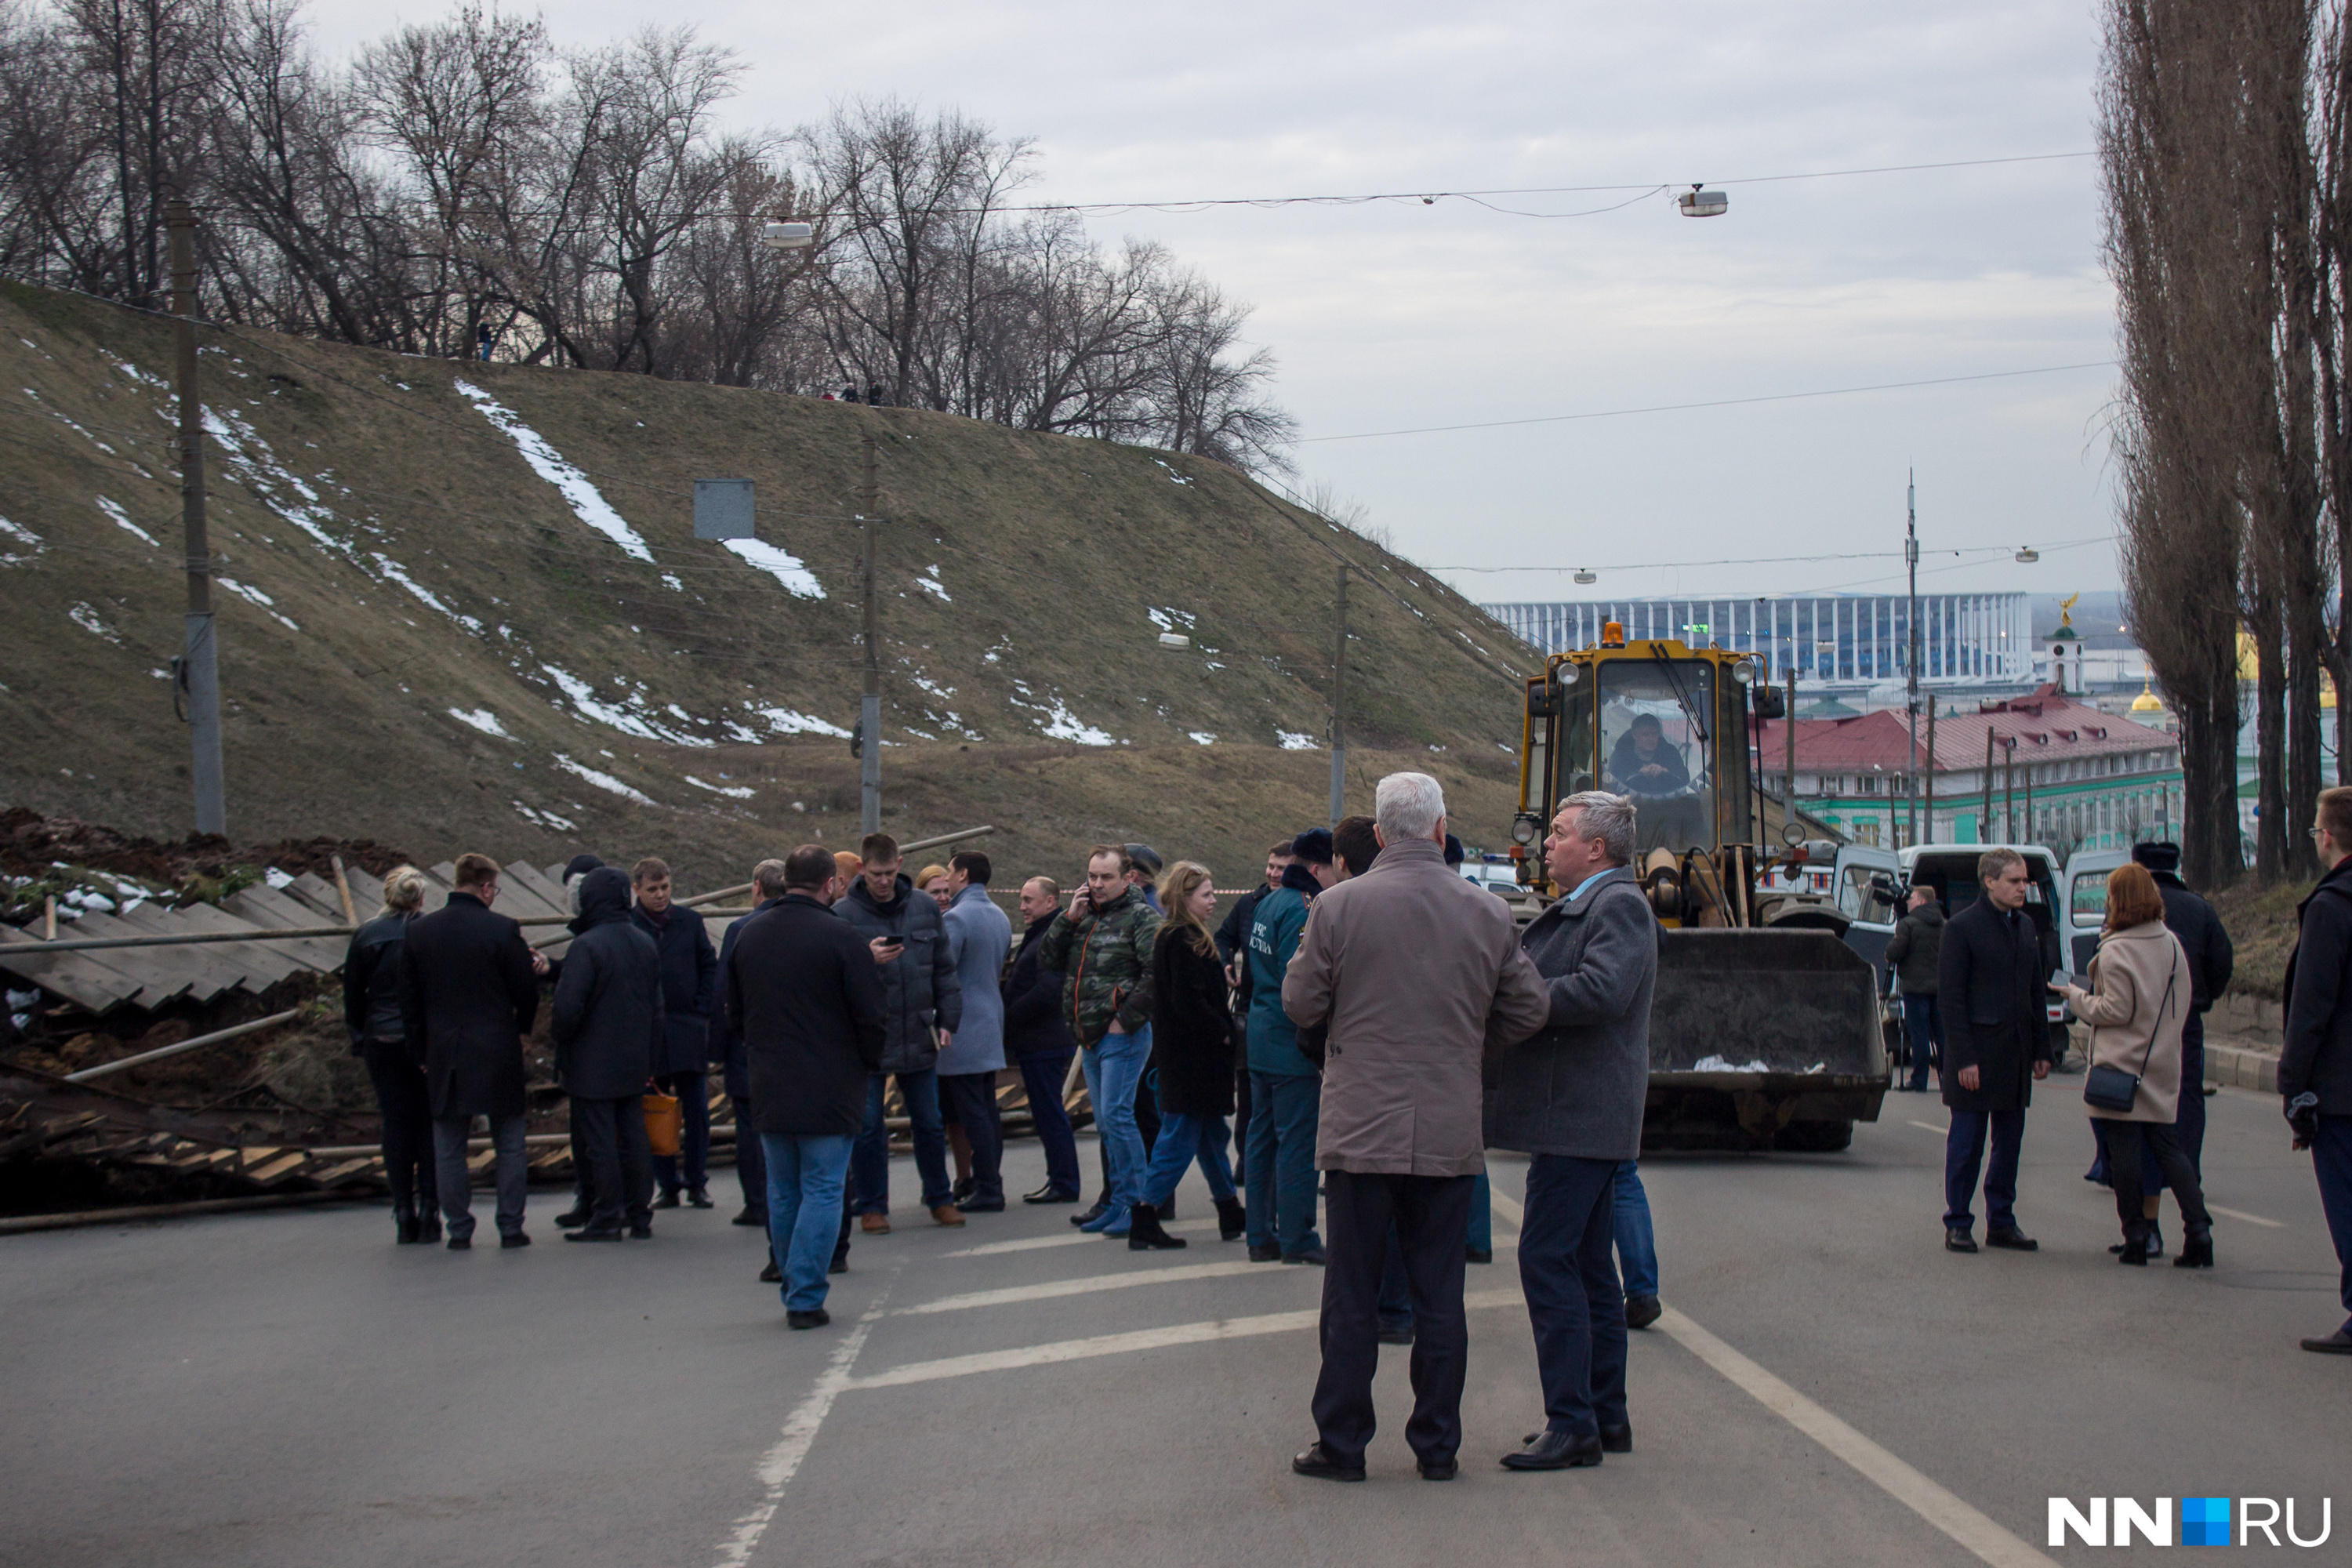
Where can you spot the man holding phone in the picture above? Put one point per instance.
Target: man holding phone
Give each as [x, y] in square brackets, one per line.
[1103, 942]
[922, 1002]
[1996, 1048]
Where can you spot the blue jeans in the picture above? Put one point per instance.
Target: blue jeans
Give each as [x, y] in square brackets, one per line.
[870, 1169]
[1482, 1214]
[1042, 1077]
[1637, 1242]
[1575, 1303]
[1964, 1149]
[804, 1180]
[1281, 1164]
[1182, 1140]
[1924, 1026]
[1114, 1068]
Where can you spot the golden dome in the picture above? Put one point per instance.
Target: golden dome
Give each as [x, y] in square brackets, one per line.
[2146, 702]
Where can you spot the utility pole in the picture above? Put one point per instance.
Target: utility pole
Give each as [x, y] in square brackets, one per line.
[2009, 793]
[1931, 767]
[1911, 659]
[1984, 831]
[1789, 731]
[198, 672]
[1339, 710]
[869, 712]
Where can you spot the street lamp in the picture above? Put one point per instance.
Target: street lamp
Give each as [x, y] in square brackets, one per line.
[1698, 203]
[788, 236]
[2027, 555]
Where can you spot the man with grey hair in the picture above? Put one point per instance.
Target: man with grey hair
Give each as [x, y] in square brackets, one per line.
[1571, 1098]
[1413, 973]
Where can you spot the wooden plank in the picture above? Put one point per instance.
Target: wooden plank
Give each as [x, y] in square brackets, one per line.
[279, 1169]
[522, 874]
[269, 907]
[163, 973]
[75, 976]
[262, 965]
[315, 892]
[367, 892]
[215, 972]
[349, 1168]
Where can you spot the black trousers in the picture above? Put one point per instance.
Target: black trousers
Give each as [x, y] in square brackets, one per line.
[1430, 1215]
[693, 1135]
[620, 1161]
[2124, 1143]
[750, 1157]
[401, 1096]
[973, 1096]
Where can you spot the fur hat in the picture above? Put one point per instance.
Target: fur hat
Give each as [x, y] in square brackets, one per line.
[1314, 847]
[2159, 857]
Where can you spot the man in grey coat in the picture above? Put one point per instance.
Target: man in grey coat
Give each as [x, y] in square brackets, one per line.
[1414, 974]
[1572, 1097]
[979, 939]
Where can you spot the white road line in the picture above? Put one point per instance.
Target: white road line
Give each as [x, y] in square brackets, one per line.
[778, 1465]
[1973, 1529]
[1088, 1286]
[1124, 1344]
[2249, 1219]
[1508, 1206]
[1931, 1127]
[1074, 1239]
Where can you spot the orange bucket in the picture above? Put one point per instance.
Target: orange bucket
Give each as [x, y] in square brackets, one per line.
[664, 1123]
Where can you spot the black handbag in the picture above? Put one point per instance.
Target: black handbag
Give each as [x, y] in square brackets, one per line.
[2112, 1089]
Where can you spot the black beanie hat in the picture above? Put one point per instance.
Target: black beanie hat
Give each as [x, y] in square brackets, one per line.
[1453, 856]
[1314, 845]
[581, 866]
[2159, 857]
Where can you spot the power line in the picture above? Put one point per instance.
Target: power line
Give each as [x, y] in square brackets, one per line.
[1712, 403]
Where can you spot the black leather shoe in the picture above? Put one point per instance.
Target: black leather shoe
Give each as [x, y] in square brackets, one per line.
[641, 1233]
[1049, 1193]
[1439, 1469]
[698, 1200]
[1477, 1255]
[752, 1216]
[2195, 1252]
[428, 1228]
[2014, 1240]
[815, 1318]
[964, 1188]
[591, 1232]
[2337, 1343]
[1090, 1215]
[1641, 1311]
[572, 1219]
[407, 1231]
[981, 1205]
[1320, 1463]
[1265, 1255]
[461, 1244]
[1958, 1240]
[1555, 1451]
[772, 1275]
[839, 1266]
[1313, 1255]
[509, 1243]
[1617, 1439]
[667, 1201]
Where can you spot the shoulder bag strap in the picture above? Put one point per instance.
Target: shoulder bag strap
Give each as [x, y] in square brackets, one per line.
[2171, 975]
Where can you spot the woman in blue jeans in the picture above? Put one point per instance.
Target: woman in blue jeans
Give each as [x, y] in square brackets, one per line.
[1192, 1033]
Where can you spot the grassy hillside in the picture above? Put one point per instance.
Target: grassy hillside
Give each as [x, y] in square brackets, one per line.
[462, 605]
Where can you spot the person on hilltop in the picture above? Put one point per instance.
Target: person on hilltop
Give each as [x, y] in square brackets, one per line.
[1915, 953]
[922, 1000]
[1192, 1054]
[689, 977]
[980, 936]
[610, 1035]
[1285, 1089]
[2315, 1075]
[1038, 1037]
[469, 994]
[1414, 975]
[805, 996]
[1103, 942]
[371, 1013]
[1990, 990]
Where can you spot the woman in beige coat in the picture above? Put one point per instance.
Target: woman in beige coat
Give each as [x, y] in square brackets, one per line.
[2139, 995]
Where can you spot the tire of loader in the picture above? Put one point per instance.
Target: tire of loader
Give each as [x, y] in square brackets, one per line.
[1815, 1137]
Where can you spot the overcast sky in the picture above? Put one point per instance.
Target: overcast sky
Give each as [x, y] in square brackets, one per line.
[1394, 316]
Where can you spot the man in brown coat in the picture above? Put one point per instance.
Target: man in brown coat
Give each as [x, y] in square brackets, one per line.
[1416, 974]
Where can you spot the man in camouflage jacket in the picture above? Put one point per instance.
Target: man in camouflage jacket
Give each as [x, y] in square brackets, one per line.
[1103, 942]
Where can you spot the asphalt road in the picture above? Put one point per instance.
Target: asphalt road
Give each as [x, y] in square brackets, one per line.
[1831, 1387]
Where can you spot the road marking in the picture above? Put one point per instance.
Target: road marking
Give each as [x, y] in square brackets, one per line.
[780, 1463]
[1508, 1206]
[2249, 1219]
[1931, 1127]
[1088, 1286]
[1973, 1529]
[1075, 1238]
[1124, 1344]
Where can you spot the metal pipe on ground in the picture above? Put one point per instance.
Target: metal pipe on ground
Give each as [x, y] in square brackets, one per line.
[18, 1225]
[157, 1055]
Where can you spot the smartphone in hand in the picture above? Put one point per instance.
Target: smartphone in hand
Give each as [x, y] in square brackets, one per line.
[2060, 980]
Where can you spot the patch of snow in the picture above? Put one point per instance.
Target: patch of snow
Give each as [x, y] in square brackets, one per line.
[630, 718]
[587, 503]
[399, 574]
[19, 535]
[253, 595]
[602, 781]
[122, 521]
[733, 792]
[1202, 736]
[1171, 620]
[738, 732]
[935, 585]
[544, 818]
[1292, 741]
[481, 719]
[1212, 664]
[783, 566]
[1718, 1064]
[1180, 479]
[784, 722]
[85, 617]
[135, 373]
[275, 878]
[249, 460]
[1061, 724]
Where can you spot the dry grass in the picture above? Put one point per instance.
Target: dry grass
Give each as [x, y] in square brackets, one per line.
[2260, 922]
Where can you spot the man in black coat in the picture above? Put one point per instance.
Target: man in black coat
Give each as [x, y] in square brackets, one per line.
[1917, 953]
[802, 990]
[689, 977]
[608, 1027]
[2315, 1075]
[1992, 995]
[2211, 958]
[727, 1047]
[1038, 1038]
[469, 996]
[921, 996]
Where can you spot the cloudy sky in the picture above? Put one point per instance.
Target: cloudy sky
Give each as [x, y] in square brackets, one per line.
[1393, 316]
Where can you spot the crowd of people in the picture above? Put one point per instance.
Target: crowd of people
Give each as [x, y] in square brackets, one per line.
[1361, 1029]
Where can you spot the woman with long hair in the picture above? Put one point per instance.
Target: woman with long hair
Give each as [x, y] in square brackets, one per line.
[2137, 1003]
[1192, 1052]
[371, 1012]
